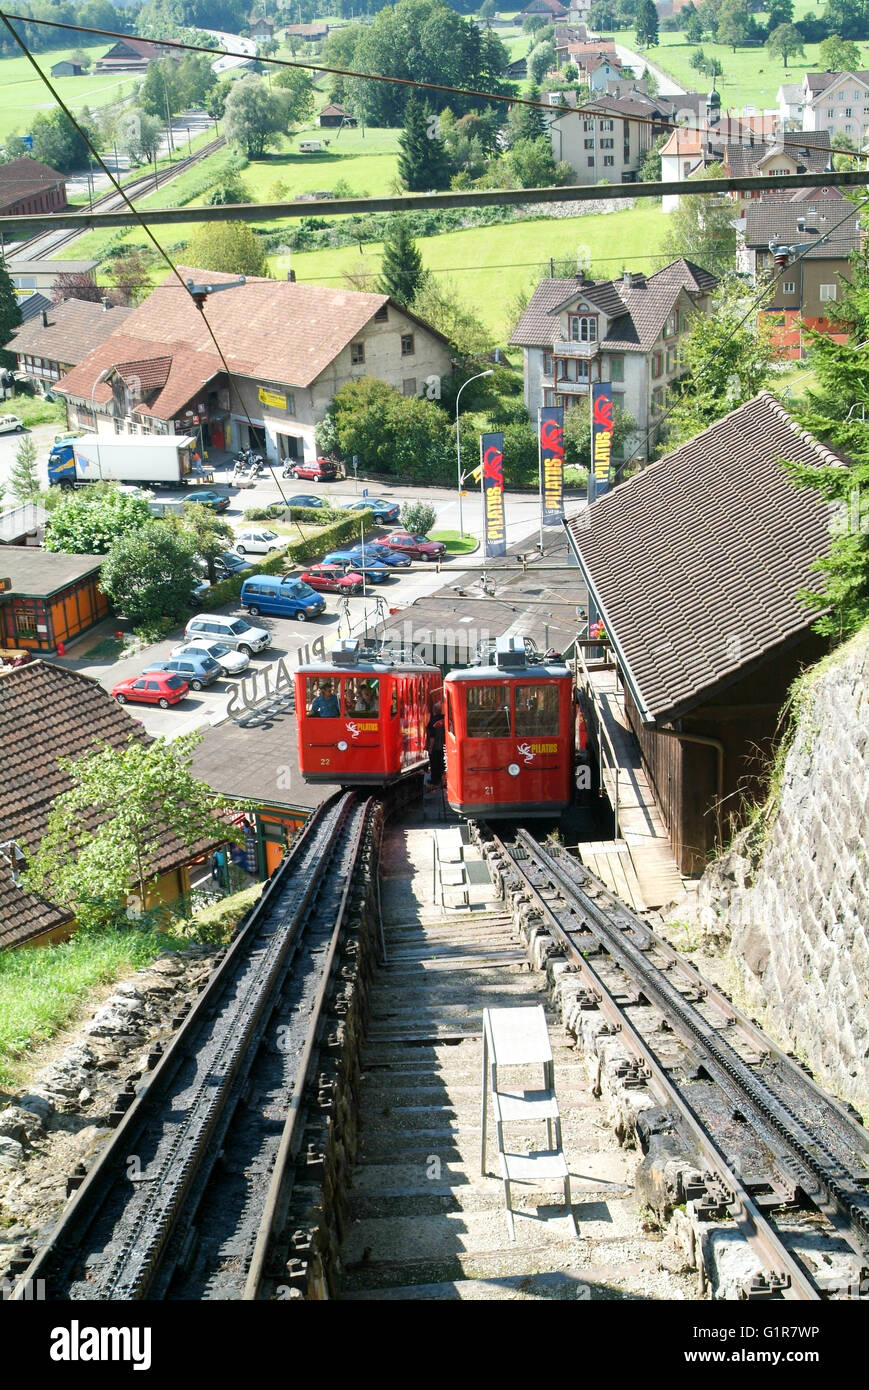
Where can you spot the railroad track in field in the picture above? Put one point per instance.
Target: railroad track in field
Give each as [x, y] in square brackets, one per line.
[48, 243]
[775, 1154]
[192, 1196]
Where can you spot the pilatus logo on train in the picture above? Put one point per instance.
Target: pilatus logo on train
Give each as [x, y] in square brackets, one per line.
[528, 750]
[354, 729]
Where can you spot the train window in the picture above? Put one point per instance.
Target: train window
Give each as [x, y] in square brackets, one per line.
[450, 711]
[361, 696]
[488, 711]
[536, 710]
[393, 707]
[321, 698]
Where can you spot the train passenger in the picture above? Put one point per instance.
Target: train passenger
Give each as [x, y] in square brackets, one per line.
[364, 700]
[325, 705]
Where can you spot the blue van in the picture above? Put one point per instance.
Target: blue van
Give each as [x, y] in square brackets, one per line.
[285, 598]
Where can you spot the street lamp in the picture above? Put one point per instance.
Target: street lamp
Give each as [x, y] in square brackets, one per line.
[103, 376]
[461, 476]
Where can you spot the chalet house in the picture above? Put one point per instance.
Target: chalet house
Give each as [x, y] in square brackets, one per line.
[837, 102]
[164, 375]
[795, 153]
[694, 565]
[801, 296]
[28, 185]
[791, 102]
[132, 55]
[261, 29]
[48, 712]
[311, 33]
[335, 115]
[548, 10]
[702, 140]
[68, 68]
[53, 597]
[50, 346]
[601, 141]
[626, 331]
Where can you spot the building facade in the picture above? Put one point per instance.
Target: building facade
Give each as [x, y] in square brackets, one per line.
[838, 103]
[28, 185]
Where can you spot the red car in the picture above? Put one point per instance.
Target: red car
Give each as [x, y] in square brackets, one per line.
[320, 471]
[417, 547]
[154, 688]
[331, 579]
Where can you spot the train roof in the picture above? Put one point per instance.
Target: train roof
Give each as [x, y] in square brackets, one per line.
[352, 655]
[549, 669]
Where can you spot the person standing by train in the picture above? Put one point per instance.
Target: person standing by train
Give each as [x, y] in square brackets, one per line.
[435, 743]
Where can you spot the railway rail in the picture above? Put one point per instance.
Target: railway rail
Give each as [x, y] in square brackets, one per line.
[50, 242]
[777, 1155]
[190, 1197]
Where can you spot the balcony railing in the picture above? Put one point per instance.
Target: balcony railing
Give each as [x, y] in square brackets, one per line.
[575, 349]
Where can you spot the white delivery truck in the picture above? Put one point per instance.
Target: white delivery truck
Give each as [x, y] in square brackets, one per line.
[162, 459]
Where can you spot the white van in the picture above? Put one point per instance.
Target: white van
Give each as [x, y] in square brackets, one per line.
[311, 146]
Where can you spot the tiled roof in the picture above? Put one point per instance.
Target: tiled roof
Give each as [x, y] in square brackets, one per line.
[48, 712]
[38, 573]
[145, 375]
[269, 330]
[637, 310]
[22, 178]
[811, 154]
[818, 82]
[75, 327]
[766, 222]
[697, 560]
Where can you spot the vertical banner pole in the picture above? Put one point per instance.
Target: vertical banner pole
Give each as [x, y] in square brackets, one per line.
[590, 489]
[492, 483]
[540, 473]
[550, 445]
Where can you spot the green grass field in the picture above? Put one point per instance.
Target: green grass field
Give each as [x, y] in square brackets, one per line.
[23, 95]
[750, 76]
[490, 265]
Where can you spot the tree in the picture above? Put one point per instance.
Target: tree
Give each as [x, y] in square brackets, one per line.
[832, 410]
[150, 574]
[701, 227]
[23, 476]
[402, 272]
[10, 315]
[231, 189]
[195, 79]
[75, 284]
[209, 534]
[83, 59]
[233, 247]
[734, 23]
[846, 17]
[530, 164]
[527, 122]
[422, 163]
[602, 15]
[651, 82]
[139, 136]
[129, 275]
[298, 90]
[784, 42]
[577, 438]
[402, 436]
[650, 169]
[839, 55]
[418, 518]
[541, 59]
[58, 143]
[694, 28]
[215, 103]
[254, 117]
[106, 832]
[160, 93]
[488, 9]
[727, 361]
[646, 24]
[698, 60]
[439, 303]
[89, 521]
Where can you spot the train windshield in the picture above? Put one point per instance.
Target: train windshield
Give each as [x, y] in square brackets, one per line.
[321, 698]
[488, 711]
[361, 696]
[536, 711]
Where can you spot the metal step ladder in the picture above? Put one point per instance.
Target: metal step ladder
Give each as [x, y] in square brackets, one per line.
[520, 1038]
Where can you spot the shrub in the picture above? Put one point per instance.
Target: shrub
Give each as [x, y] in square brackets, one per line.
[418, 517]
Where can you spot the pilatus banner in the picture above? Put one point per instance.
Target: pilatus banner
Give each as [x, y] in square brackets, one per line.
[492, 481]
[602, 428]
[550, 438]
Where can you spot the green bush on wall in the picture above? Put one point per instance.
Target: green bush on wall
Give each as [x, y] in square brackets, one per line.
[300, 552]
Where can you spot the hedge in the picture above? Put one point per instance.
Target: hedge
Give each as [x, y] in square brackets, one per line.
[279, 512]
[301, 552]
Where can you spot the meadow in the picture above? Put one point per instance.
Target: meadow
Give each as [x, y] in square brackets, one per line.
[23, 95]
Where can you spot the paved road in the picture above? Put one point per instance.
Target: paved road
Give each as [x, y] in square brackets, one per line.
[666, 85]
[236, 45]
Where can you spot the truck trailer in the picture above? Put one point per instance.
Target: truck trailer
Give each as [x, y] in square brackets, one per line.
[165, 459]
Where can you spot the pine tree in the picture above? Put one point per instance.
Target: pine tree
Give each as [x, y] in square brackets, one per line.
[423, 162]
[23, 478]
[10, 315]
[402, 273]
[646, 24]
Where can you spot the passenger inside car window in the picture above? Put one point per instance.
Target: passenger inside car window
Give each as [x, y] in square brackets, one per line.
[321, 700]
[362, 697]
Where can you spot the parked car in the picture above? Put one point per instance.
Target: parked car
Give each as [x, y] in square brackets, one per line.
[374, 570]
[260, 541]
[417, 547]
[233, 632]
[163, 688]
[8, 423]
[332, 579]
[198, 671]
[285, 598]
[306, 500]
[231, 662]
[373, 551]
[227, 564]
[131, 490]
[215, 501]
[320, 471]
[383, 510]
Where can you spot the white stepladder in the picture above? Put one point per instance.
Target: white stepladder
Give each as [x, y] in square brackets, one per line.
[514, 1038]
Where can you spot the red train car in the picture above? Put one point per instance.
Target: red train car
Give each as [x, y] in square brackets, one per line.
[510, 748]
[362, 718]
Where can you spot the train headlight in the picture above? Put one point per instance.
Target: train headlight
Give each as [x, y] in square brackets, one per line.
[513, 769]
[342, 747]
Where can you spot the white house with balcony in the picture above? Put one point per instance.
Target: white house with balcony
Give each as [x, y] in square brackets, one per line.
[837, 102]
[628, 331]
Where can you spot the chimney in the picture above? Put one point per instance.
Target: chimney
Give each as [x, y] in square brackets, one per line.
[106, 303]
[45, 318]
[627, 279]
[801, 224]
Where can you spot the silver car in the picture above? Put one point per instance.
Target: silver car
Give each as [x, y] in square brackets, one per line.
[233, 662]
[232, 632]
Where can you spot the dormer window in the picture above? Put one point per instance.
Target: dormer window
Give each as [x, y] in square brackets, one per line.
[583, 328]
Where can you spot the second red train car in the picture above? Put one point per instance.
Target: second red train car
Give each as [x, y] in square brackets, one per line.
[362, 719]
[510, 736]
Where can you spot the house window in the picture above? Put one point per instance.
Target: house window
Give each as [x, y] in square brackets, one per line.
[407, 347]
[408, 386]
[607, 144]
[572, 369]
[846, 111]
[591, 161]
[617, 369]
[789, 287]
[357, 354]
[583, 329]
[656, 364]
[606, 125]
[589, 144]
[671, 327]
[828, 292]
[547, 364]
[671, 359]
[382, 314]
[608, 161]
[830, 113]
[589, 125]
[657, 401]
